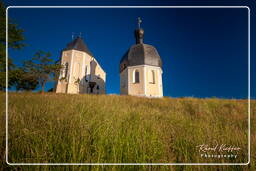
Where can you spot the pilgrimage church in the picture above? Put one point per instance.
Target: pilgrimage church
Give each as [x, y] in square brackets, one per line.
[81, 73]
[141, 69]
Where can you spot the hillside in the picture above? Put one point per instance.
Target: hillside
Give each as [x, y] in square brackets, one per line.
[59, 128]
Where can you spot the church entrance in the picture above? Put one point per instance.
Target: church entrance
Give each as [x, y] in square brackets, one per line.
[91, 86]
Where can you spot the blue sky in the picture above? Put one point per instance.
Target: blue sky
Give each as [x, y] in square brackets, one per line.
[204, 51]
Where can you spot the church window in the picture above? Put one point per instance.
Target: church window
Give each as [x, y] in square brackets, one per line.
[86, 75]
[151, 76]
[85, 70]
[136, 76]
[66, 70]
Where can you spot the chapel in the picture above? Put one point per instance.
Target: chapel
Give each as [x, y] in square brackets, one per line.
[81, 73]
[141, 69]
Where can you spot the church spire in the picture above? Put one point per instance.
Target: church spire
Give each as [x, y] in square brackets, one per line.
[139, 21]
[139, 33]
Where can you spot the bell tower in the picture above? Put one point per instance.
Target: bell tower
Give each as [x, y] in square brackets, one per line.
[141, 69]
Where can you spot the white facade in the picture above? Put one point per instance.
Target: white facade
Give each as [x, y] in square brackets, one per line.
[141, 80]
[81, 73]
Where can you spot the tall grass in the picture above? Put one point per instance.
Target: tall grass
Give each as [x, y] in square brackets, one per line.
[60, 128]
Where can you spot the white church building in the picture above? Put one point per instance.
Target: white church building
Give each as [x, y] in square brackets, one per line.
[81, 73]
[141, 69]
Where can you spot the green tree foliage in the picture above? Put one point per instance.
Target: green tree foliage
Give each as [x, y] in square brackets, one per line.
[42, 67]
[15, 38]
[23, 80]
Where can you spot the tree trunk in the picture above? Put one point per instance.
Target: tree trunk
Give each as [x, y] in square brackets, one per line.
[43, 84]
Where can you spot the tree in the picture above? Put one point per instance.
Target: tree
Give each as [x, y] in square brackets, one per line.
[15, 38]
[41, 67]
[23, 80]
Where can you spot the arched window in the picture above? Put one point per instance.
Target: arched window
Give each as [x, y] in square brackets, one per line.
[136, 76]
[151, 77]
[85, 71]
[66, 70]
[86, 78]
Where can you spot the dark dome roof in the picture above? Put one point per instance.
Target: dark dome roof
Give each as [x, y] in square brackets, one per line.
[78, 44]
[140, 54]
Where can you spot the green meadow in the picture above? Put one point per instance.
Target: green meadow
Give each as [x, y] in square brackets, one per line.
[63, 128]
